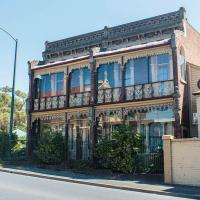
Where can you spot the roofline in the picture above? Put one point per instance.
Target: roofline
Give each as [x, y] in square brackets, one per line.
[117, 26]
[100, 56]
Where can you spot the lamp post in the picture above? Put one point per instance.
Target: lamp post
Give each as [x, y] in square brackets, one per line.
[13, 86]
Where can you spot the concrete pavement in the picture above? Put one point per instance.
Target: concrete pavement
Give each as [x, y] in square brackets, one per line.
[153, 187]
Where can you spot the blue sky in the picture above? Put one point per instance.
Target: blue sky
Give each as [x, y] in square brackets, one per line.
[35, 21]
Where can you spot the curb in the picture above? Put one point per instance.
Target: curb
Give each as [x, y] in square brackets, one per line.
[136, 189]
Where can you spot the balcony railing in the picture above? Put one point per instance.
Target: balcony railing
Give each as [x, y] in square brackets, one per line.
[150, 90]
[109, 95]
[79, 99]
[48, 103]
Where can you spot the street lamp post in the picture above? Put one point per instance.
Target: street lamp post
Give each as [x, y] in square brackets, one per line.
[13, 86]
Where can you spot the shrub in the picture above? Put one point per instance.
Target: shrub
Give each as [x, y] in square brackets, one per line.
[18, 151]
[4, 143]
[50, 148]
[120, 152]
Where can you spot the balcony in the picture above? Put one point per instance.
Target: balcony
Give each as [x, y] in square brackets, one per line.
[109, 95]
[150, 90]
[79, 99]
[49, 103]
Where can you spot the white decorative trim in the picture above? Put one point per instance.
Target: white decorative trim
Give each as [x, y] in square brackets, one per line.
[78, 66]
[108, 61]
[76, 114]
[108, 112]
[123, 111]
[148, 52]
[59, 116]
[148, 108]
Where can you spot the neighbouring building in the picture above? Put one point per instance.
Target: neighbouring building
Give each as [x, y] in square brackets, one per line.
[141, 74]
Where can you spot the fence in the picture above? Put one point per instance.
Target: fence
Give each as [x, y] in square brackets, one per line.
[151, 163]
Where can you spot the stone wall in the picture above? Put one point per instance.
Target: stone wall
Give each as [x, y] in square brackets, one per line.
[181, 161]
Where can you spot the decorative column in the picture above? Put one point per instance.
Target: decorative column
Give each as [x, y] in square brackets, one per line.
[81, 80]
[66, 157]
[176, 96]
[30, 107]
[67, 87]
[123, 92]
[93, 100]
[147, 138]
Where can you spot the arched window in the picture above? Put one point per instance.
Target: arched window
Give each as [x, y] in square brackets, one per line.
[109, 76]
[80, 80]
[182, 64]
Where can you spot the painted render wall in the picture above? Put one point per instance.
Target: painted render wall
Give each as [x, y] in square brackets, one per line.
[181, 161]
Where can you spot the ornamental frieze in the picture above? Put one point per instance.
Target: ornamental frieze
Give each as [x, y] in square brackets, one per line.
[78, 114]
[78, 66]
[120, 112]
[55, 116]
[108, 112]
[147, 52]
[108, 60]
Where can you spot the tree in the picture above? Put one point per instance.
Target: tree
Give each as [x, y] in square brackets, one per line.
[20, 113]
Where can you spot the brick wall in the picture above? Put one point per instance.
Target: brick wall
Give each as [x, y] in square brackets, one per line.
[189, 40]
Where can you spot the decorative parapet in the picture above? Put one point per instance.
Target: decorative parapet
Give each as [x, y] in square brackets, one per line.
[116, 36]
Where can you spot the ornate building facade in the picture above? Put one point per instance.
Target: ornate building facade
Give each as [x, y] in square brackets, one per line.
[134, 74]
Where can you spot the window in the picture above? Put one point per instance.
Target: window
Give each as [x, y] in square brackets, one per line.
[60, 83]
[75, 81]
[161, 68]
[46, 85]
[52, 84]
[137, 71]
[109, 76]
[182, 64]
[87, 79]
[80, 80]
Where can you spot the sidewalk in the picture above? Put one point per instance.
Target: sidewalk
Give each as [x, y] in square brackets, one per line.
[116, 182]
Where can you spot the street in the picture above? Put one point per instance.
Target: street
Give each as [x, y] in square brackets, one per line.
[19, 187]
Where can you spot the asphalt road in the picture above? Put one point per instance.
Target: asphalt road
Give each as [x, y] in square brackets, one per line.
[19, 187]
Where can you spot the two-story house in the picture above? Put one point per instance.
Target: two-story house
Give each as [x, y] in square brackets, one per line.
[135, 74]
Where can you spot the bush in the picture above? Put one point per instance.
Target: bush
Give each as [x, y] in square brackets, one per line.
[4, 143]
[80, 164]
[50, 148]
[120, 152]
[18, 151]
